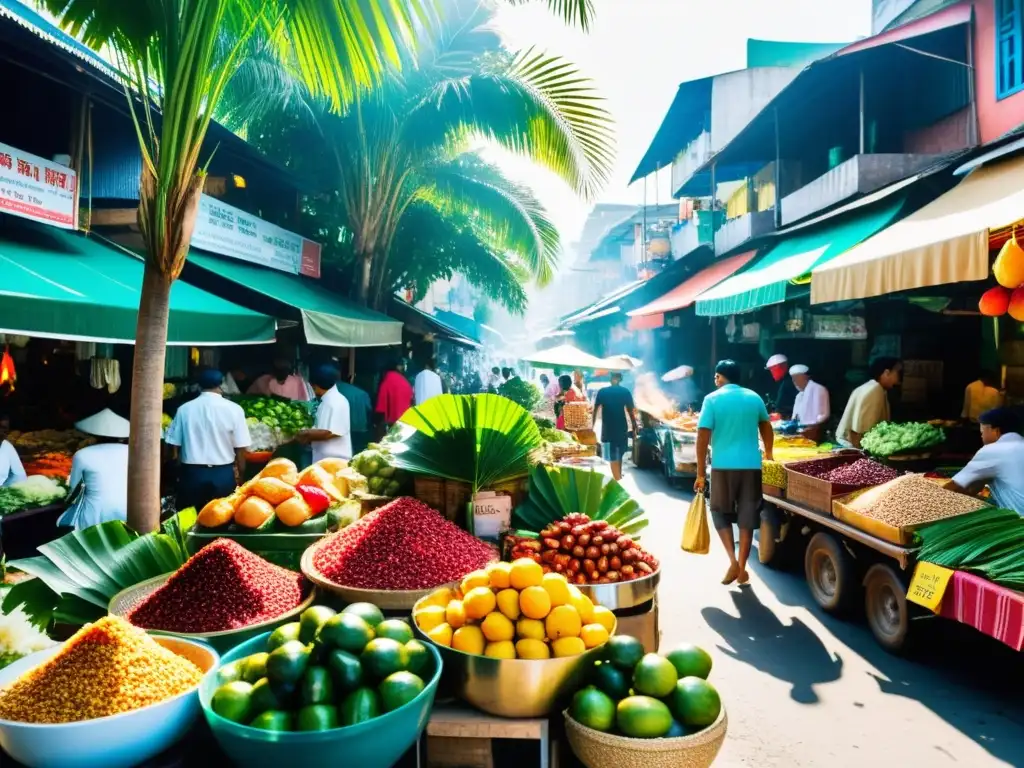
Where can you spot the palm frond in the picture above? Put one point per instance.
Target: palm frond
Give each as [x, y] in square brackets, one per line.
[558, 491]
[508, 216]
[576, 12]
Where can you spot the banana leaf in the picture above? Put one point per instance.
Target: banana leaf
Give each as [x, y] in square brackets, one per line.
[555, 492]
[477, 439]
[78, 574]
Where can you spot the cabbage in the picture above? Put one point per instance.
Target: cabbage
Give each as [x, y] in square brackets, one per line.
[39, 490]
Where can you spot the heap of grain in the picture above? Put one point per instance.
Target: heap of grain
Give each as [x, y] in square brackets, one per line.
[912, 500]
[106, 668]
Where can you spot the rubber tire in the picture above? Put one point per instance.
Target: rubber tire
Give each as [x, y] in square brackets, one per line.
[642, 455]
[830, 573]
[886, 607]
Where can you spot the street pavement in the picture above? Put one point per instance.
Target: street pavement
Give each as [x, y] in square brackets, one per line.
[803, 688]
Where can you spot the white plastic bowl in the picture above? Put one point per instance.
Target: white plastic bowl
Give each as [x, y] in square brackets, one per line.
[118, 741]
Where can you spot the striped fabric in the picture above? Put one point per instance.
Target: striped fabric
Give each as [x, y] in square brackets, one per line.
[989, 608]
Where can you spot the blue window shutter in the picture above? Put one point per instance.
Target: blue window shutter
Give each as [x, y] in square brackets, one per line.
[1009, 44]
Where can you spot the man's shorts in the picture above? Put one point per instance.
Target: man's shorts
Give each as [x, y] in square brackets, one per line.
[736, 498]
[614, 450]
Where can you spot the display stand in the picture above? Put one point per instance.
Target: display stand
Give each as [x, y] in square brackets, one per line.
[460, 737]
[641, 622]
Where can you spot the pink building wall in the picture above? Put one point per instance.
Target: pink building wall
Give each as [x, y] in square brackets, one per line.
[995, 117]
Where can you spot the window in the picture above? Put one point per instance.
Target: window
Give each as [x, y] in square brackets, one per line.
[1009, 42]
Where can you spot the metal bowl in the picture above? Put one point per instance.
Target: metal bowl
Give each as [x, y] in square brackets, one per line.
[514, 687]
[623, 594]
[385, 599]
[124, 601]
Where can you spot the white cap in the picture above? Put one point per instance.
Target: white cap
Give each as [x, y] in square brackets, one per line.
[798, 369]
[776, 360]
[106, 423]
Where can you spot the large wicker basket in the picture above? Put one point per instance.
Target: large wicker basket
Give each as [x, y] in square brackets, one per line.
[605, 750]
[577, 416]
[449, 497]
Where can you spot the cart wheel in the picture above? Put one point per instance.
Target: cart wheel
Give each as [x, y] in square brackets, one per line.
[779, 555]
[885, 603]
[830, 573]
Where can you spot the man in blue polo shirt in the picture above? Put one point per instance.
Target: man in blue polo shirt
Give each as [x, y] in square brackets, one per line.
[730, 421]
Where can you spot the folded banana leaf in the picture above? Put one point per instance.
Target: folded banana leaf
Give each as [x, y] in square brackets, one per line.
[555, 492]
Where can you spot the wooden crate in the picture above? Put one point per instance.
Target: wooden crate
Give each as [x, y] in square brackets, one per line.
[813, 492]
[460, 737]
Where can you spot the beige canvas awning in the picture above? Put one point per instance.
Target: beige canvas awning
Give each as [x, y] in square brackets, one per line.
[944, 242]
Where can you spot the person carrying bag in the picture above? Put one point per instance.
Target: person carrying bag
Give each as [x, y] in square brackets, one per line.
[696, 534]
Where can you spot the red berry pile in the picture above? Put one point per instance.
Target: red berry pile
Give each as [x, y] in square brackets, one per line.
[861, 472]
[223, 586]
[403, 545]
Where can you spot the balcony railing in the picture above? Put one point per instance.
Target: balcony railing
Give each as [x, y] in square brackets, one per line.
[690, 159]
[739, 230]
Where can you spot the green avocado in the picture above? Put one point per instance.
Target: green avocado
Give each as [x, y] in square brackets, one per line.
[272, 720]
[288, 663]
[283, 634]
[254, 667]
[316, 717]
[311, 620]
[317, 686]
[359, 706]
[346, 670]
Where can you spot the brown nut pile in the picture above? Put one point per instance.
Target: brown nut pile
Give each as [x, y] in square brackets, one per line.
[912, 500]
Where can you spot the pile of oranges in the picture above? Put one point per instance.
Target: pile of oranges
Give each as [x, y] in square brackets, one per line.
[514, 611]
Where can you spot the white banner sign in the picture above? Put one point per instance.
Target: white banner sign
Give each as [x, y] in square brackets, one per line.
[492, 514]
[229, 231]
[37, 189]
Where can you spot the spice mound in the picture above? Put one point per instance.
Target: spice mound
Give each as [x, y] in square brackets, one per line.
[106, 668]
[403, 545]
[912, 500]
[223, 586]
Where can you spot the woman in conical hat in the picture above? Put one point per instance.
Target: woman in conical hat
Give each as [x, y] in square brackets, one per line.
[102, 471]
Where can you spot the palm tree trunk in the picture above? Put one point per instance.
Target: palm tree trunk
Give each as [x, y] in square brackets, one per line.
[147, 400]
[365, 277]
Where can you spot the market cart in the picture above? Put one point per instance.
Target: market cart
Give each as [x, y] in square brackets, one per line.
[666, 444]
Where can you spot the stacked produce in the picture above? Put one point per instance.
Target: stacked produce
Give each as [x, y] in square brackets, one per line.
[280, 493]
[328, 670]
[912, 500]
[587, 551]
[287, 416]
[404, 545]
[221, 587]
[61, 441]
[524, 393]
[34, 491]
[647, 696]
[106, 668]
[887, 439]
[514, 611]
[861, 472]
[773, 473]
[56, 464]
[382, 479]
[989, 542]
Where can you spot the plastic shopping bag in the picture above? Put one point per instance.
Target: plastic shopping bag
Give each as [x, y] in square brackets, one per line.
[696, 534]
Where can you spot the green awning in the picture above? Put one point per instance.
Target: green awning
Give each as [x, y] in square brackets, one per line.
[62, 284]
[327, 318]
[767, 280]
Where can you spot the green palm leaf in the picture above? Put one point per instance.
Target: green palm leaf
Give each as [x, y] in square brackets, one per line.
[558, 491]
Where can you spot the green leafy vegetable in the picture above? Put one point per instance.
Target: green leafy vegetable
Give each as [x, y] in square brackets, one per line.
[522, 392]
[887, 438]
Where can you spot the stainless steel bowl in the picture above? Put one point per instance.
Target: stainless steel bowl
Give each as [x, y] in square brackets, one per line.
[623, 594]
[514, 687]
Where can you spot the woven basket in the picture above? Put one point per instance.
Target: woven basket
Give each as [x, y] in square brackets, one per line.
[605, 750]
[577, 416]
[429, 490]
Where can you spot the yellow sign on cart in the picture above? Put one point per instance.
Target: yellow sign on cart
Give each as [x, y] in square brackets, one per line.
[929, 585]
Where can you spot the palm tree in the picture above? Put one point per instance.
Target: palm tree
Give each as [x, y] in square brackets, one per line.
[177, 56]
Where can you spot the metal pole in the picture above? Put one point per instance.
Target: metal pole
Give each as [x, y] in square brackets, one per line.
[862, 109]
[973, 129]
[778, 170]
[714, 211]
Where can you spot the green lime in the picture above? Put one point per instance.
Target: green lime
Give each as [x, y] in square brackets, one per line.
[395, 629]
[346, 632]
[273, 720]
[311, 620]
[695, 702]
[624, 652]
[359, 706]
[254, 667]
[317, 686]
[283, 634]
[316, 717]
[399, 689]
[677, 730]
[265, 697]
[593, 708]
[287, 663]
[346, 670]
[229, 673]
[369, 612]
[384, 656]
[690, 661]
[610, 679]
[418, 656]
[233, 701]
[642, 717]
[654, 676]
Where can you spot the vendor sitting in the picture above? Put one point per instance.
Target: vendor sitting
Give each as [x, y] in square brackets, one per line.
[999, 463]
[102, 471]
[811, 406]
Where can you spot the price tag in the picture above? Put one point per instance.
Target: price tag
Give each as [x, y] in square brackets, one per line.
[929, 585]
[492, 513]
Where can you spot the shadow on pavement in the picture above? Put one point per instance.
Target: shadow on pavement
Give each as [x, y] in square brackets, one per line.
[789, 652]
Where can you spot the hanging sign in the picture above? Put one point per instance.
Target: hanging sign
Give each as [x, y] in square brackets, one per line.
[38, 189]
[492, 514]
[929, 585]
[229, 231]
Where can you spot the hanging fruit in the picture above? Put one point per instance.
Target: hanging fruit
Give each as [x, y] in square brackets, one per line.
[1008, 268]
[1016, 307]
[994, 302]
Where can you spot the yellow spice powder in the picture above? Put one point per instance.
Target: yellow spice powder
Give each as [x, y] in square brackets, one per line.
[106, 668]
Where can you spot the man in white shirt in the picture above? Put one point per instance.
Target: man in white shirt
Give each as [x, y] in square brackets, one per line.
[811, 406]
[211, 436]
[11, 469]
[869, 403]
[331, 435]
[427, 383]
[102, 471]
[998, 463]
